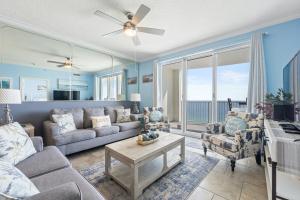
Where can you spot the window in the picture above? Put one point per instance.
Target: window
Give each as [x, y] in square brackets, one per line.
[110, 87]
[5, 83]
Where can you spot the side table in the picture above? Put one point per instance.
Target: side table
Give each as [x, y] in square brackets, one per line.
[29, 129]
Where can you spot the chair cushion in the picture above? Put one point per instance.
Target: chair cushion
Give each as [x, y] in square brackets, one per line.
[224, 141]
[234, 124]
[76, 112]
[128, 125]
[66, 175]
[106, 130]
[111, 111]
[74, 136]
[91, 112]
[35, 165]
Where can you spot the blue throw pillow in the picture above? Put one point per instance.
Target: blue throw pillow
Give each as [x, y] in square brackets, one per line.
[234, 124]
[155, 116]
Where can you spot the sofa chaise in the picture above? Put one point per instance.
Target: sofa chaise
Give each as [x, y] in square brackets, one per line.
[52, 174]
[85, 137]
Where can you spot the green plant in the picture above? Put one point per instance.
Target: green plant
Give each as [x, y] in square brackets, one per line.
[280, 98]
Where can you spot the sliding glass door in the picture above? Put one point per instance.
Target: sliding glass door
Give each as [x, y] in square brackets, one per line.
[199, 90]
[171, 93]
[195, 90]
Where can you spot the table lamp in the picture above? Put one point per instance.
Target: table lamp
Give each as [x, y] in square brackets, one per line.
[135, 98]
[9, 96]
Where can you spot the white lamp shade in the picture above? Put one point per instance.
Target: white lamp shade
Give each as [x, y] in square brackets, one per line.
[136, 97]
[10, 96]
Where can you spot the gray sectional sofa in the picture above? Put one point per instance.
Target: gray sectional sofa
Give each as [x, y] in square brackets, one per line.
[85, 137]
[54, 177]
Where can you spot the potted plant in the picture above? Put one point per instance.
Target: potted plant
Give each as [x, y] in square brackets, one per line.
[278, 106]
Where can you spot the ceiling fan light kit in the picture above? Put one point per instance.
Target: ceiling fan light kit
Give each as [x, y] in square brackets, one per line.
[130, 27]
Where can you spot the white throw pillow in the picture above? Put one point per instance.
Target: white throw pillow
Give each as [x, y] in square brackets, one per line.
[123, 115]
[65, 122]
[14, 184]
[101, 121]
[15, 144]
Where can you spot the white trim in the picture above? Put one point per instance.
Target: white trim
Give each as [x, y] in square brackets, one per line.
[220, 37]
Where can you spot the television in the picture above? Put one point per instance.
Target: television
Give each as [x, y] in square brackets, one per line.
[63, 95]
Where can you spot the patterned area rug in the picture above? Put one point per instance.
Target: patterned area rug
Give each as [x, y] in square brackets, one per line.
[177, 184]
[193, 143]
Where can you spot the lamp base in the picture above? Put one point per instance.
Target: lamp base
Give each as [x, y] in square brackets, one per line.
[7, 118]
[135, 108]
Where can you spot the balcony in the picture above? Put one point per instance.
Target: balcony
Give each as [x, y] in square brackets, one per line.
[199, 114]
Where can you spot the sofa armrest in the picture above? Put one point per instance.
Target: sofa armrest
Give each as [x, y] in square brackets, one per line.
[68, 191]
[37, 143]
[50, 131]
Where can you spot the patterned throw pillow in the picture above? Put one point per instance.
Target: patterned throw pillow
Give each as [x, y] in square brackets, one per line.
[15, 144]
[155, 116]
[123, 115]
[14, 184]
[233, 124]
[101, 121]
[65, 122]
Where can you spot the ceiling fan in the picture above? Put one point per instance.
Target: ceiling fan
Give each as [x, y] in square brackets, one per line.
[66, 64]
[130, 27]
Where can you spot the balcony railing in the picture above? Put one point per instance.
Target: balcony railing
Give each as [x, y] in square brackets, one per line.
[199, 112]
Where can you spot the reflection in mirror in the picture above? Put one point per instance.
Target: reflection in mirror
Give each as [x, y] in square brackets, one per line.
[46, 69]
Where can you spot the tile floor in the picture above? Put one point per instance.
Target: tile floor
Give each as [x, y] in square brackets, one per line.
[246, 183]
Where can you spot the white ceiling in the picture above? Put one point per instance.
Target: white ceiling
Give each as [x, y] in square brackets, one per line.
[186, 21]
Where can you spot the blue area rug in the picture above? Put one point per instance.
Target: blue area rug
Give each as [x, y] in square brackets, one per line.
[177, 184]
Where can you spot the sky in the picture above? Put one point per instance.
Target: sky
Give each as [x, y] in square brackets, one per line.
[232, 82]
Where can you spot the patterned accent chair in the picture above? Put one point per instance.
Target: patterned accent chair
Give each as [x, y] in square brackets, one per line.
[237, 138]
[154, 119]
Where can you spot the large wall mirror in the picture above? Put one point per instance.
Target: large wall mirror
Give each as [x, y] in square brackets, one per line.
[46, 69]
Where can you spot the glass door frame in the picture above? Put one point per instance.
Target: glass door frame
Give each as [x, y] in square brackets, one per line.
[184, 59]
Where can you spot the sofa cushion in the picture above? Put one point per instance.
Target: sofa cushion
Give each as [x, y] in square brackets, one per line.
[15, 144]
[65, 175]
[91, 112]
[13, 183]
[107, 130]
[74, 136]
[48, 160]
[111, 111]
[123, 115]
[128, 125]
[65, 122]
[76, 112]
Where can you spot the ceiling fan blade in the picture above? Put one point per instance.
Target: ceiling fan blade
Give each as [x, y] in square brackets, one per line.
[108, 17]
[111, 34]
[55, 62]
[154, 31]
[60, 65]
[136, 40]
[140, 14]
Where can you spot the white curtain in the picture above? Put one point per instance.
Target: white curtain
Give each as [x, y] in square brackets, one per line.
[257, 81]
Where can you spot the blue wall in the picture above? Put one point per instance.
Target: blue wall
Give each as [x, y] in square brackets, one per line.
[280, 45]
[17, 71]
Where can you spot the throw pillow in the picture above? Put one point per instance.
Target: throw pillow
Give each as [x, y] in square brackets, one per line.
[15, 144]
[123, 115]
[101, 121]
[234, 124]
[14, 184]
[155, 116]
[65, 122]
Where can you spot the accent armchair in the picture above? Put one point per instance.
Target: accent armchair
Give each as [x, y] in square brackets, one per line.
[154, 119]
[237, 138]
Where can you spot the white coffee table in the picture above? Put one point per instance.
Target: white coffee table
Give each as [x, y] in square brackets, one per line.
[142, 165]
